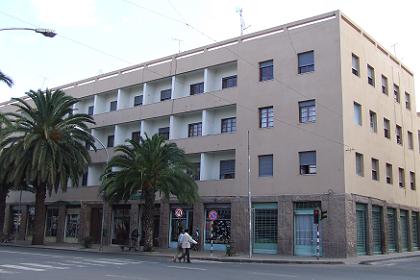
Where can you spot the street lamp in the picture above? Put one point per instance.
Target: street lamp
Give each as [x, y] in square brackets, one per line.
[46, 32]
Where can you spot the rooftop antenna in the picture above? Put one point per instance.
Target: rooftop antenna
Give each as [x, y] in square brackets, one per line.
[394, 47]
[179, 43]
[242, 21]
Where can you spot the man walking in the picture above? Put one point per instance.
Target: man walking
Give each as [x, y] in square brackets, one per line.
[186, 245]
[179, 245]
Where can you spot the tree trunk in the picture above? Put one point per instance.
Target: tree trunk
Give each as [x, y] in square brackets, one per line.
[149, 207]
[3, 195]
[39, 224]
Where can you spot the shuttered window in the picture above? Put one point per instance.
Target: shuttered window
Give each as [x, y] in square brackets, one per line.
[265, 165]
[307, 162]
[227, 169]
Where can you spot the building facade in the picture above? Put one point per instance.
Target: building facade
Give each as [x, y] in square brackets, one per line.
[325, 114]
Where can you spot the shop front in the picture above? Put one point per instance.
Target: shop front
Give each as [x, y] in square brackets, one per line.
[305, 230]
[181, 218]
[265, 228]
[72, 225]
[217, 227]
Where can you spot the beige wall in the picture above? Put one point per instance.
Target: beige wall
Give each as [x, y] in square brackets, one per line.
[360, 138]
[332, 85]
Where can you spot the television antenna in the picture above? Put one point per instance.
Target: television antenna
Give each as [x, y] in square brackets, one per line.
[242, 21]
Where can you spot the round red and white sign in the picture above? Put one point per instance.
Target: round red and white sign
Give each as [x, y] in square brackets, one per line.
[212, 215]
[179, 212]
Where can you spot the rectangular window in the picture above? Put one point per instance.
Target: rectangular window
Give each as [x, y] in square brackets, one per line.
[265, 165]
[164, 132]
[227, 169]
[389, 177]
[113, 106]
[194, 129]
[51, 222]
[384, 85]
[138, 100]
[357, 113]
[195, 171]
[165, 94]
[401, 177]
[371, 75]
[410, 140]
[387, 130]
[135, 136]
[307, 111]
[359, 165]
[398, 134]
[407, 101]
[355, 66]
[306, 62]
[307, 162]
[228, 125]
[397, 93]
[85, 179]
[228, 82]
[373, 122]
[413, 181]
[266, 117]
[375, 169]
[197, 88]
[90, 110]
[110, 141]
[266, 70]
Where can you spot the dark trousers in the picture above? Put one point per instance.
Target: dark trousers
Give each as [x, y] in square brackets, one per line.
[186, 253]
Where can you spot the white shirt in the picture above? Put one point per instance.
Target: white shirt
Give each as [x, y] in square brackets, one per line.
[187, 240]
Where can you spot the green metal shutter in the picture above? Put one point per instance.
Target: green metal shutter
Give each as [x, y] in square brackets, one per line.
[391, 232]
[361, 229]
[415, 229]
[404, 230]
[377, 229]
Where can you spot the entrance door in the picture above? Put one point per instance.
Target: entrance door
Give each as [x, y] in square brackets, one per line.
[391, 230]
[415, 230]
[184, 222]
[71, 232]
[404, 230]
[361, 225]
[305, 233]
[265, 228]
[96, 224]
[377, 229]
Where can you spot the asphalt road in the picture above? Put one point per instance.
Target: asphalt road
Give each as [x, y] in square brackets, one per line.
[33, 264]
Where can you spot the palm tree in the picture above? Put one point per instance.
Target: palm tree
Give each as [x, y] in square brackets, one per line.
[150, 166]
[7, 80]
[47, 144]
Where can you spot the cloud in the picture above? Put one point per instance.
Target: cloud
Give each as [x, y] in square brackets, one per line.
[66, 13]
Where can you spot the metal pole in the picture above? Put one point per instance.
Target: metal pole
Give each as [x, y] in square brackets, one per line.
[317, 241]
[103, 200]
[249, 201]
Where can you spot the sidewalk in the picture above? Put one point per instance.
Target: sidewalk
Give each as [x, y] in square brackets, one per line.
[220, 256]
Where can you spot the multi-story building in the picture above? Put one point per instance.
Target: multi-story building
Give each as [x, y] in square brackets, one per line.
[332, 125]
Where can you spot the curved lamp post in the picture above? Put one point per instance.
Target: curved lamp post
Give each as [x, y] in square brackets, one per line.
[46, 32]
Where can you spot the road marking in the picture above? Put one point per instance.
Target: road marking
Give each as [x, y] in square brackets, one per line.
[7, 272]
[67, 264]
[106, 262]
[85, 263]
[274, 274]
[125, 277]
[186, 267]
[21, 267]
[30, 254]
[45, 266]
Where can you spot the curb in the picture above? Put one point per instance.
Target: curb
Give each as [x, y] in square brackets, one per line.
[371, 262]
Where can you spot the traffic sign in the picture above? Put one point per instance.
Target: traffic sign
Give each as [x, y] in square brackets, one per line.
[179, 212]
[212, 215]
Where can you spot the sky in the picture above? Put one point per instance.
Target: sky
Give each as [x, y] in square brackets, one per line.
[96, 37]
